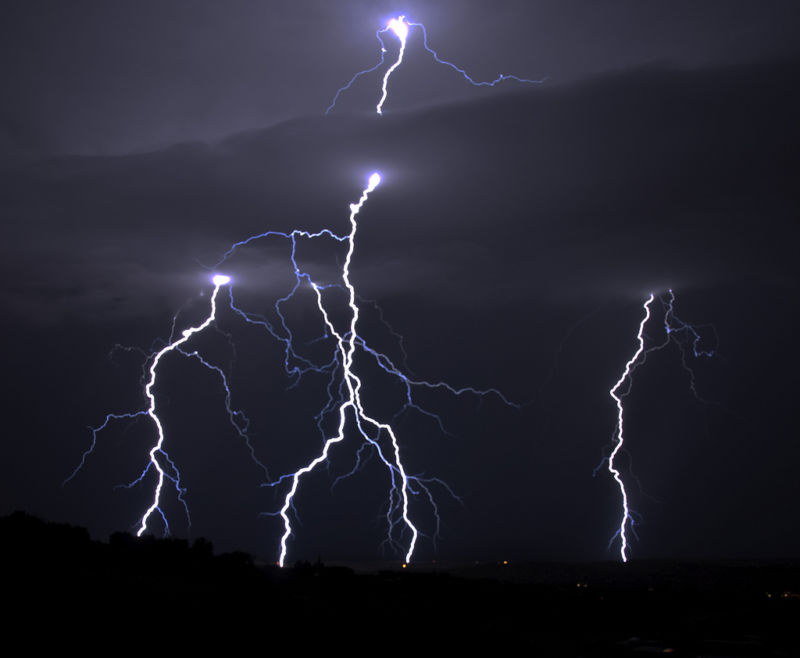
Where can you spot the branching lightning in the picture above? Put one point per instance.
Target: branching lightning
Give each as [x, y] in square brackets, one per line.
[345, 349]
[344, 380]
[401, 28]
[344, 393]
[674, 329]
[159, 459]
[626, 517]
[344, 389]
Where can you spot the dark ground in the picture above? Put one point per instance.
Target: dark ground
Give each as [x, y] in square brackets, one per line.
[66, 590]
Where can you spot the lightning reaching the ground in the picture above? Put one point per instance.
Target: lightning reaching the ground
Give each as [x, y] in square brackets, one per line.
[346, 349]
[158, 448]
[345, 387]
[159, 460]
[401, 28]
[620, 438]
[678, 331]
[345, 379]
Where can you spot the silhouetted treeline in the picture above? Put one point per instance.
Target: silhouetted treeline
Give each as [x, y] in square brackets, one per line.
[60, 587]
[59, 554]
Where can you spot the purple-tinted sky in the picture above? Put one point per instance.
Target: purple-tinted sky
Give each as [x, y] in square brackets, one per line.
[514, 238]
[94, 77]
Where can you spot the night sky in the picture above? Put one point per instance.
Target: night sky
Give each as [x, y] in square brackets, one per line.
[515, 236]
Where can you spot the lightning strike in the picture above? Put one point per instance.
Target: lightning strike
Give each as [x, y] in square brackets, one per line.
[168, 471]
[218, 280]
[674, 329]
[620, 438]
[344, 389]
[401, 28]
[346, 349]
[344, 385]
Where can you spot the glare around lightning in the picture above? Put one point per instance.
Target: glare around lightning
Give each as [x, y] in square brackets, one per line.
[401, 28]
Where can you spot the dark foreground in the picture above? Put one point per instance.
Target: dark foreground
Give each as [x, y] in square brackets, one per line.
[66, 591]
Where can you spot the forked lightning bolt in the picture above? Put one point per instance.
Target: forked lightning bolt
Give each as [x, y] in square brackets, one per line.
[159, 459]
[344, 396]
[674, 329]
[344, 383]
[401, 28]
[344, 391]
[620, 438]
[346, 348]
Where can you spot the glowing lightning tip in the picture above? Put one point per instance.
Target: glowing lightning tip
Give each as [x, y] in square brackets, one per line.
[374, 181]
[221, 279]
[399, 27]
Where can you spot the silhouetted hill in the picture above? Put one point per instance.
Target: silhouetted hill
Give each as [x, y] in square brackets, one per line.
[168, 593]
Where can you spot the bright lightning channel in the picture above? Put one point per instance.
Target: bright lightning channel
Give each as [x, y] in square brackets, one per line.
[401, 28]
[676, 330]
[346, 349]
[344, 392]
[218, 280]
[158, 452]
[620, 439]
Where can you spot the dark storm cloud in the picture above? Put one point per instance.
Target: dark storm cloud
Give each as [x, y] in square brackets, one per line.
[94, 77]
[611, 187]
[511, 243]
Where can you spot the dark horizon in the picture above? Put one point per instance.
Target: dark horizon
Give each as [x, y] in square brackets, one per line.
[183, 595]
